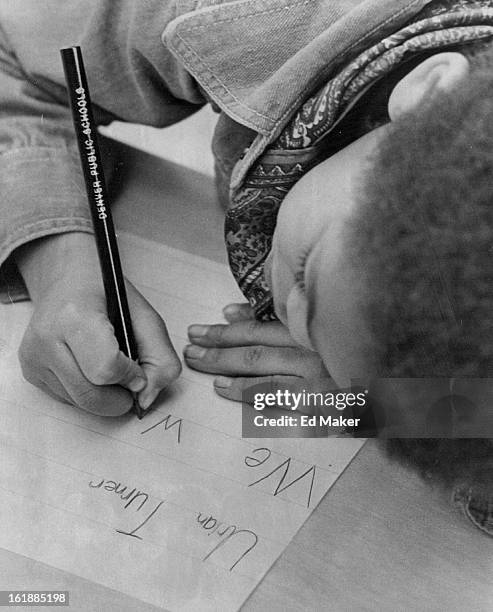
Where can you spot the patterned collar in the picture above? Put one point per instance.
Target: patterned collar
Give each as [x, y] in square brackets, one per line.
[306, 140]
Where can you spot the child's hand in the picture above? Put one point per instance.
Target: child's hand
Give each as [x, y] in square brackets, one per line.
[247, 352]
[69, 349]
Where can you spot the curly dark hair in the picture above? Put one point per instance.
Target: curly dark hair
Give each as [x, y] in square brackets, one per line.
[422, 242]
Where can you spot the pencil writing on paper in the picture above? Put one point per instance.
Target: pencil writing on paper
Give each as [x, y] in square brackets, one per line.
[212, 525]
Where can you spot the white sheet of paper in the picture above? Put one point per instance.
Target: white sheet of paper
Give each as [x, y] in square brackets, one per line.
[176, 510]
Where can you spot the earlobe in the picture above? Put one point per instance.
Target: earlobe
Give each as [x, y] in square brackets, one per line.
[441, 72]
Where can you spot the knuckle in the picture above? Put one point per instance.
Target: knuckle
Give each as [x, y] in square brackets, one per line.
[69, 315]
[216, 332]
[252, 355]
[254, 327]
[38, 334]
[212, 355]
[76, 320]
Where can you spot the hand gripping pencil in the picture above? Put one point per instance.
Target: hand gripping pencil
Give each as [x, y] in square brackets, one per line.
[109, 258]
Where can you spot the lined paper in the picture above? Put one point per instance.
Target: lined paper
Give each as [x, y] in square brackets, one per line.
[176, 510]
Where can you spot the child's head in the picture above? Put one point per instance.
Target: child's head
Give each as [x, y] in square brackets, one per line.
[383, 255]
[421, 239]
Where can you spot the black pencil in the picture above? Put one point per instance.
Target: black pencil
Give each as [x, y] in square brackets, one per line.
[104, 231]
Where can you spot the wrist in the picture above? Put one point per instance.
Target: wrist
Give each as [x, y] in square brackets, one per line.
[69, 258]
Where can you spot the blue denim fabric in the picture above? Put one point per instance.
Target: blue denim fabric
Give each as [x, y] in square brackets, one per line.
[155, 63]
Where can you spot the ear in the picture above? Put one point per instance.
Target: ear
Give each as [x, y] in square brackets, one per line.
[441, 72]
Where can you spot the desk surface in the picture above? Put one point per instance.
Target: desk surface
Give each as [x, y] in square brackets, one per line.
[381, 539]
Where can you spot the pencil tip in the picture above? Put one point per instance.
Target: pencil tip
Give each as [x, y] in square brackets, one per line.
[137, 409]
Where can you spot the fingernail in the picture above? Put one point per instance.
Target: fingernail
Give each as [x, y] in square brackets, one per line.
[231, 309]
[198, 330]
[137, 384]
[222, 382]
[195, 352]
[147, 397]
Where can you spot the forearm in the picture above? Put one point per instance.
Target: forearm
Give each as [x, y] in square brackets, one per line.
[41, 191]
[132, 77]
[70, 258]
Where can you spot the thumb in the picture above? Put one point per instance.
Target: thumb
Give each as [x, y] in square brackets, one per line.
[157, 357]
[125, 372]
[96, 351]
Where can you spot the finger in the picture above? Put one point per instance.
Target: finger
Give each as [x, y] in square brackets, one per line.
[253, 360]
[94, 347]
[64, 378]
[310, 393]
[109, 400]
[54, 387]
[49, 391]
[39, 375]
[239, 389]
[253, 391]
[51, 386]
[238, 312]
[242, 333]
[157, 356]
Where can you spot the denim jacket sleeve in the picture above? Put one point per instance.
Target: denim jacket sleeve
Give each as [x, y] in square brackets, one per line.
[131, 75]
[278, 53]
[149, 62]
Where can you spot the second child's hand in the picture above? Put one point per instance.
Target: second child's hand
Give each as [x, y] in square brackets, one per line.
[246, 352]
